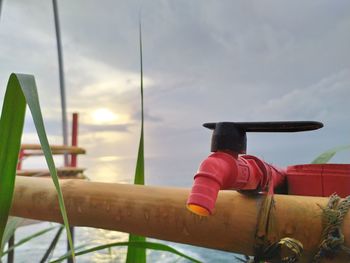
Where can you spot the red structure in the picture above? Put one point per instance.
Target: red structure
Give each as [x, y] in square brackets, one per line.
[319, 179]
[74, 139]
[28, 150]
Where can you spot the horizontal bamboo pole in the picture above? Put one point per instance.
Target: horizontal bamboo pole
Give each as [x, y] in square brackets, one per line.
[61, 171]
[35, 149]
[161, 213]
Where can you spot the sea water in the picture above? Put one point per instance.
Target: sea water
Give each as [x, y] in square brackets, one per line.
[34, 250]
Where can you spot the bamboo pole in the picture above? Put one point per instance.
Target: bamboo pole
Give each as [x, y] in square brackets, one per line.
[161, 213]
[62, 171]
[35, 149]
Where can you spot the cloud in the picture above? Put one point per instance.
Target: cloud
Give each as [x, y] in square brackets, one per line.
[326, 100]
[105, 128]
[147, 116]
[203, 61]
[94, 78]
[53, 126]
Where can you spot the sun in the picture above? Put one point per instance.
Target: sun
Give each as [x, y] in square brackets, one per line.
[104, 115]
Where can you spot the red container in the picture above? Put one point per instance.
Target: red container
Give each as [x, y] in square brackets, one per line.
[319, 179]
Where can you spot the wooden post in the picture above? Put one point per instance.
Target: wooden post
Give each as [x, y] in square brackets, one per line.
[20, 159]
[74, 139]
[11, 242]
[161, 213]
[73, 163]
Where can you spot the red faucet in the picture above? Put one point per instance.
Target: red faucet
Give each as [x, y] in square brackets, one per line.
[222, 170]
[227, 168]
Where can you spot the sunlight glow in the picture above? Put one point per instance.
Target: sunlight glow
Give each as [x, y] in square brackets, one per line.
[104, 115]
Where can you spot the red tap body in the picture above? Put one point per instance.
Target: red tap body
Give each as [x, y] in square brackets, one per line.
[223, 170]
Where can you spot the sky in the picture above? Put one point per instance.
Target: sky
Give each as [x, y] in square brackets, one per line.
[204, 61]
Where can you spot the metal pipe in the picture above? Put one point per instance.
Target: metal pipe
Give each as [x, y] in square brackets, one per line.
[61, 78]
[0, 8]
[161, 213]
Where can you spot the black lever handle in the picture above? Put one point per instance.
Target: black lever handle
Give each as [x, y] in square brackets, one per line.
[272, 126]
[232, 135]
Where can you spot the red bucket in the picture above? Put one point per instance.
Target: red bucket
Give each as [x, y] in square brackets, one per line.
[319, 179]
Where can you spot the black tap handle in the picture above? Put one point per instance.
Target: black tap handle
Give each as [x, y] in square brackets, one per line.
[271, 126]
[232, 135]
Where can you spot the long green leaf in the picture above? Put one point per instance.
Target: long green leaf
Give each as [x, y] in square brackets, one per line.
[52, 246]
[328, 155]
[29, 238]
[140, 164]
[138, 254]
[143, 245]
[21, 89]
[11, 128]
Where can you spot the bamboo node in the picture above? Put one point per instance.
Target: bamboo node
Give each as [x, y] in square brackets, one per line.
[268, 247]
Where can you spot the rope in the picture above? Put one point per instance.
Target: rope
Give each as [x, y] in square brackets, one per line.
[268, 247]
[332, 236]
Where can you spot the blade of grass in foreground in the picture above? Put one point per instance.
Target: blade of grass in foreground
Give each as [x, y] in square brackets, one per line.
[52, 246]
[328, 155]
[11, 127]
[21, 89]
[29, 238]
[12, 224]
[138, 254]
[138, 244]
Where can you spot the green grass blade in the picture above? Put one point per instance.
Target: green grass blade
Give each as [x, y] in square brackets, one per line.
[138, 254]
[328, 155]
[29, 238]
[144, 245]
[52, 246]
[140, 163]
[21, 89]
[12, 224]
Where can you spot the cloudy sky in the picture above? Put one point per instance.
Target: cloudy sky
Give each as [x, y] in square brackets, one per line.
[203, 61]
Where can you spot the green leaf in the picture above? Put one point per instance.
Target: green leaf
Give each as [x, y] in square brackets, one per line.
[21, 89]
[143, 245]
[12, 224]
[138, 254]
[11, 128]
[52, 246]
[28, 238]
[140, 163]
[328, 155]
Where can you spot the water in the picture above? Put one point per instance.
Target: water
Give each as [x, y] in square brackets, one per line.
[35, 249]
